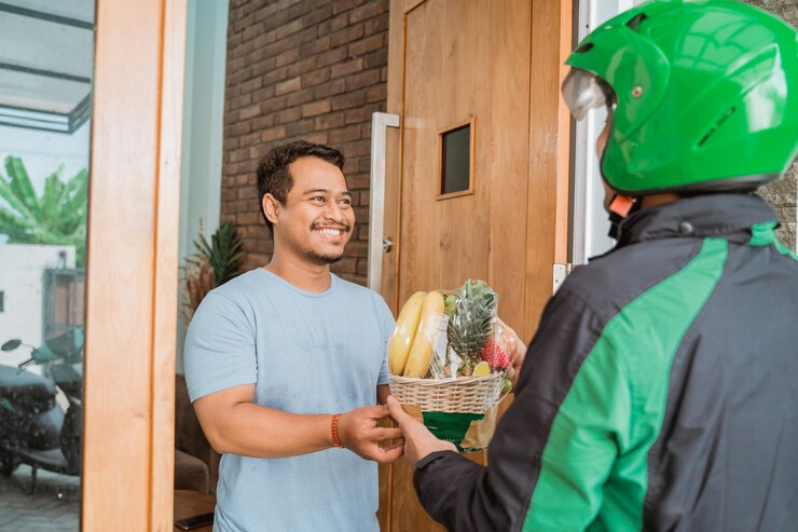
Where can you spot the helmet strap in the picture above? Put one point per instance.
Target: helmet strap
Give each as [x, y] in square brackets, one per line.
[619, 208]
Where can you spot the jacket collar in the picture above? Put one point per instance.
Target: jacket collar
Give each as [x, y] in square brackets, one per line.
[727, 216]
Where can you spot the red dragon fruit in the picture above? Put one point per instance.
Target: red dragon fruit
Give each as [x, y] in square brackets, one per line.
[494, 354]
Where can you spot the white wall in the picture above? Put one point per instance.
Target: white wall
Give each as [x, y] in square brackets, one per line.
[590, 221]
[201, 173]
[21, 281]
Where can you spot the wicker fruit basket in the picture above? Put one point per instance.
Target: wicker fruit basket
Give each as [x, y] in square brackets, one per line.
[466, 394]
[447, 364]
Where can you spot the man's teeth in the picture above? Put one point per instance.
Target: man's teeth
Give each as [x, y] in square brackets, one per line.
[334, 232]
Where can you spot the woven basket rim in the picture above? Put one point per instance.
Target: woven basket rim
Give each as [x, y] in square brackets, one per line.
[443, 382]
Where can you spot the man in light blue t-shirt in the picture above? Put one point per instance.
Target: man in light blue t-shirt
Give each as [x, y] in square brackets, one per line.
[285, 365]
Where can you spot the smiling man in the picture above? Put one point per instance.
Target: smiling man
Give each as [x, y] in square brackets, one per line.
[286, 363]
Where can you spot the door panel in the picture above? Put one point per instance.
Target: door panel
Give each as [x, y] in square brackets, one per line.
[495, 65]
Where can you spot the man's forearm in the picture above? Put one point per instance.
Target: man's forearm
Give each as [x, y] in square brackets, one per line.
[258, 431]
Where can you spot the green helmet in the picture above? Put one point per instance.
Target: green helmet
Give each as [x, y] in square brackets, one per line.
[703, 96]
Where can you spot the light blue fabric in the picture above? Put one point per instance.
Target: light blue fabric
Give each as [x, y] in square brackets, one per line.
[307, 354]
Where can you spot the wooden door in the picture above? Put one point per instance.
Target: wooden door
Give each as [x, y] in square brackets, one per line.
[492, 67]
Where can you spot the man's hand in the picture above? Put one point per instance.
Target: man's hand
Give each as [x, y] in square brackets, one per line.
[419, 441]
[360, 434]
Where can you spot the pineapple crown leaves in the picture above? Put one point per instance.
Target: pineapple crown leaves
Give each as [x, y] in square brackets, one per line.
[472, 321]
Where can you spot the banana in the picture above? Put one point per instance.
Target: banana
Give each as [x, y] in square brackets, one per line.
[402, 338]
[420, 356]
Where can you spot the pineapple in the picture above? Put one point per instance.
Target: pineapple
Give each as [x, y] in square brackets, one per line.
[472, 321]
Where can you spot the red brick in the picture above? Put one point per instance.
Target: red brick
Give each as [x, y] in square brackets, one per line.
[362, 79]
[369, 44]
[316, 108]
[299, 128]
[328, 121]
[299, 98]
[344, 135]
[348, 34]
[289, 85]
[273, 133]
[330, 57]
[377, 93]
[342, 69]
[336, 86]
[316, 16]
[346, 101]
[302, 66]
[315, 77]
[310, 49]
[285, 30]
[289, 115]
[367, 11]
[342, 5]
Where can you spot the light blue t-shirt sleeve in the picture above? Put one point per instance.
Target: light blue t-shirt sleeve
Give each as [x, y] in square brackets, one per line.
[387, 324]
[220, 348]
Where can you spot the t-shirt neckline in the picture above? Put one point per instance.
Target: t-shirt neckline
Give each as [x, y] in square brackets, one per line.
[330, 289]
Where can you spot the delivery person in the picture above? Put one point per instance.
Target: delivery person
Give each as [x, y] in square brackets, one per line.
[661, 390]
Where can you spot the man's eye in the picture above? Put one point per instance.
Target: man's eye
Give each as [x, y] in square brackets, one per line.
[318, 199]
[346, 202]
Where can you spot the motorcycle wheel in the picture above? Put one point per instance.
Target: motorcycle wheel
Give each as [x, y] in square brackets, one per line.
[8, 464]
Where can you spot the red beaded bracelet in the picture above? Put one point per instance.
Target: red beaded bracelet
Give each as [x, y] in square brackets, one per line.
[335, 438]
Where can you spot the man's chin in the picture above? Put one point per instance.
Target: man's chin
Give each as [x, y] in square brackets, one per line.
[324, 259]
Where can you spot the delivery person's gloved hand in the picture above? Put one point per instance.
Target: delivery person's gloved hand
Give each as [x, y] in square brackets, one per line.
[515, 349]
[419, 441]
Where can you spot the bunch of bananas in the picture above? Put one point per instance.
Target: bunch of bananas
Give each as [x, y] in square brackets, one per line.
[411, 347]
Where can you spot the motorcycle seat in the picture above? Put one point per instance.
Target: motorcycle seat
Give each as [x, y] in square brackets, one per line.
[24, 384]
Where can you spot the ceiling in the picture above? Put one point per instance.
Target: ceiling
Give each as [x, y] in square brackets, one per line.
[46, 63]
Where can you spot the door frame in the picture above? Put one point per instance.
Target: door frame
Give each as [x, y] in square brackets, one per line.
[132, 266]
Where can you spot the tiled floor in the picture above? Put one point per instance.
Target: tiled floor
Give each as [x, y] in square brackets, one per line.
[54, 506]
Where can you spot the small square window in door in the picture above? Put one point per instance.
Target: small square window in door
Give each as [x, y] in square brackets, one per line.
[456, 168]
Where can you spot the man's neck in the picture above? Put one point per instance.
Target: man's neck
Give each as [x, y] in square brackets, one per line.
[301, 273]
[659, 199]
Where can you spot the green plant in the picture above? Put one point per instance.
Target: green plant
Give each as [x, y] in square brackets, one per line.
[58, 217]
[223, 253]
[214, 263]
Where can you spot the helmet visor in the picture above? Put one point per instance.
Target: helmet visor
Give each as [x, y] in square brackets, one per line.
[583, 91]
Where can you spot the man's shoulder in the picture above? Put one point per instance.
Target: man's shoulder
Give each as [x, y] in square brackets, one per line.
[238, 286]
[615, 279]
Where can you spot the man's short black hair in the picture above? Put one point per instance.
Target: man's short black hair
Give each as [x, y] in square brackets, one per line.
[274, 177]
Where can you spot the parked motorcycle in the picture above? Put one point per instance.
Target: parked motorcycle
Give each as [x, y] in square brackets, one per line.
[34, 428]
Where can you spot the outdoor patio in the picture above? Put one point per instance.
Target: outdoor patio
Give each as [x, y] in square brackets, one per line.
[54, 506]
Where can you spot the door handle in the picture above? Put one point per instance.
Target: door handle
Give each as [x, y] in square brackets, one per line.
[380, 122]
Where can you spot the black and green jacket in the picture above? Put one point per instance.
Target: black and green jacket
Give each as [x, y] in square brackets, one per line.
[660, 392]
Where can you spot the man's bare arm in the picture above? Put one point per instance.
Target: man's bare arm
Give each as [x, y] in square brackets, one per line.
[233, 423]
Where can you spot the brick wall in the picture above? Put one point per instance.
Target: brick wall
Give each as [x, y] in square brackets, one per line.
[309, 69]
[782, 195]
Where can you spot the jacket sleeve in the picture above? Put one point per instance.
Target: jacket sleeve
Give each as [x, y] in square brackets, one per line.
[551, 453]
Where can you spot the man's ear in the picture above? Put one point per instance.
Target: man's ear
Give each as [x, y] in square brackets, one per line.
[271, 207]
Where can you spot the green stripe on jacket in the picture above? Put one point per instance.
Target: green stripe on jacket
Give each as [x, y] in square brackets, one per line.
[594, 466]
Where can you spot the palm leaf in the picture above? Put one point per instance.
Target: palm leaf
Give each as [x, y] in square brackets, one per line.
[7, 193]
[21, 185]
